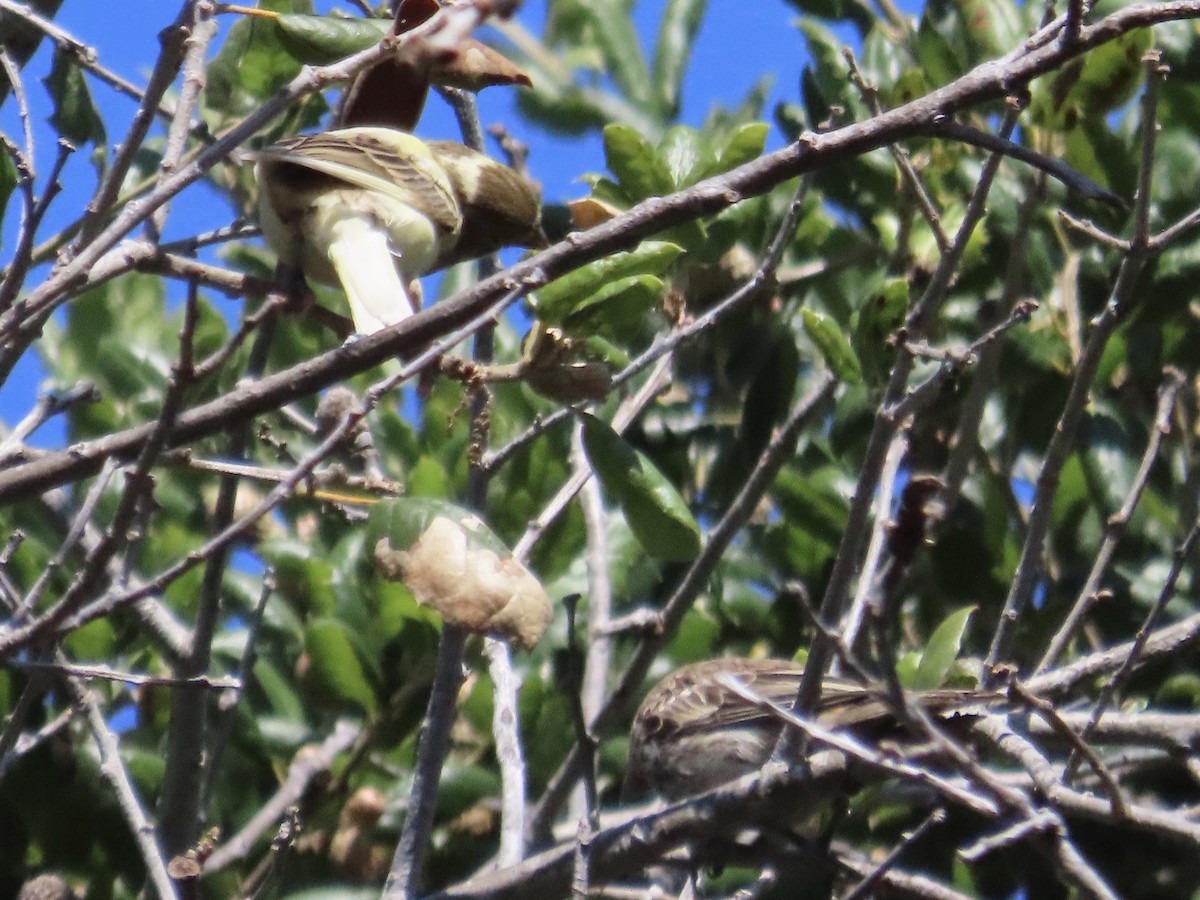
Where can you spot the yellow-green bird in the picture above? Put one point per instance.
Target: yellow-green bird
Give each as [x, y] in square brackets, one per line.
[373, 208]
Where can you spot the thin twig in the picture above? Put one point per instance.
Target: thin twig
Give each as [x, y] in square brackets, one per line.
[201, 28]
[505, 729]
[1057, 451]
[860, 751]
[908, 173]
[599, 644]
[872, 564]
[887, 420]
[1166, 641]
[113, 770]
[78, 670]
[631, 407]
[227, 704]
[304, 768]
[1045, 710]
[862, 889]
[47, 406]
[165, 69]
[1115, 685]
[180, 809]
[1114, 528]
[966, 433]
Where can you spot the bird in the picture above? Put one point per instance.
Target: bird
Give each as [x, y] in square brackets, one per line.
[693, 732]
[372, 208]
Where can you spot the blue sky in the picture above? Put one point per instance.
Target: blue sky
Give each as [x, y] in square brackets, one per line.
[739, 43]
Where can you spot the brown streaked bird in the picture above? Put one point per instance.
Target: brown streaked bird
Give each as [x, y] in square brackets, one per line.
[692, 733]
[373, 208]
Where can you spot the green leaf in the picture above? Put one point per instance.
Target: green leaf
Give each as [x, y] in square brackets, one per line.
[676, 38]
[335, 666]
[637, 166]
[828, 74]
[613, 33]
[280, 690]
[833, 345]
[906, 669]
[75, 116]
[251, 64]
[597, 348]
[398, 609]
[653, 508]
[427, 478]
[560, 299]
[878, 320]
[569, 110]
[1093, 85]
[746, 144]
[92, 642]
[305, 579]
[942, 650]
[1095, 151]
[8, 183]
[1180, 691]
[696, 638]
[686, 155]
[320, 40]
[937, 59]
[616, 307]
[769, 396]
[1111, 74]
[813, 500]
[825, 9]
[992, 27]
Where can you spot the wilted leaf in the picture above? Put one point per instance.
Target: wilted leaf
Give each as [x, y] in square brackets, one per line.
[588, 212]
[474, 65]
[471, 586]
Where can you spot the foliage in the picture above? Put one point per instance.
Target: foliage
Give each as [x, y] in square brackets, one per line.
[843, 324]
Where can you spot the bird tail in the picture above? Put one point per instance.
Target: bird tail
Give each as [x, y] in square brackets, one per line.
[367, 270]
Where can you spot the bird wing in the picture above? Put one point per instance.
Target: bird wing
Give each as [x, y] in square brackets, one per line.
[696, 700]
[693, 699]
[393, 163]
